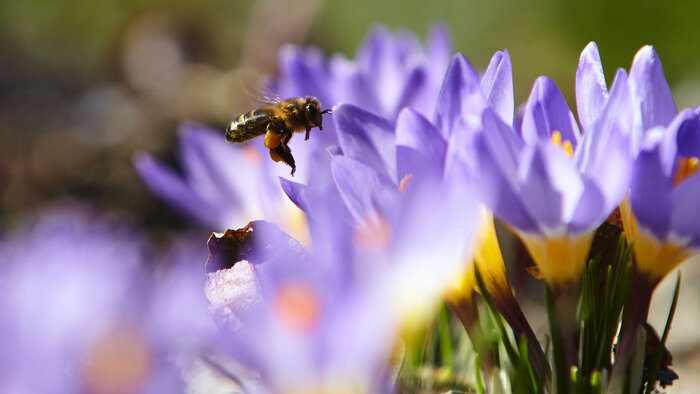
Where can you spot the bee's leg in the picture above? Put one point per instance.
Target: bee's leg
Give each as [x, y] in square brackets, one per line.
[285, 136]
[308, 130]
[281, 154]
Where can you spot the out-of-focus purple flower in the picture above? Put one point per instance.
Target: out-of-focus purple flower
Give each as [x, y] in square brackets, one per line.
[76, 312]
[389, 72]
[221, 185]
[307, 321]
[550, 183]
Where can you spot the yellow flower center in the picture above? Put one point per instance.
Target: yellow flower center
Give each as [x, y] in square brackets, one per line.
[559, 259]
[298, 307]
[486, 254]
[566, 145]
[687, 167]
[654, 257]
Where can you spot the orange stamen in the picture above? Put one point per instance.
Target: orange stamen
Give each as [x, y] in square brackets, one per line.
[566, 145]
[405, 182]
[687, 167]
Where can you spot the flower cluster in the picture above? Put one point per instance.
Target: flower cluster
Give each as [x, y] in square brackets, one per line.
[417, 150]
[398, 206]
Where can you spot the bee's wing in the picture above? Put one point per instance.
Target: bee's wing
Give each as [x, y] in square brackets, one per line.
[257, 87]
[267, 96]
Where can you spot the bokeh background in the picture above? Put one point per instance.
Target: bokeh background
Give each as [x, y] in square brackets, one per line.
[85, 84]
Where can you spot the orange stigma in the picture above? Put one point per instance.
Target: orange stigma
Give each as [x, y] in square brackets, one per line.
[297, 306]
[117, 362]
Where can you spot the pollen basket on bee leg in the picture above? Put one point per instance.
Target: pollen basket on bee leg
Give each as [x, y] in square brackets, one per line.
[272, 139]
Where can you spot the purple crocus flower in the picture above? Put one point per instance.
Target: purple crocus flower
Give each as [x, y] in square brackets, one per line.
[660, 212]
[76, 313]
[549, 182]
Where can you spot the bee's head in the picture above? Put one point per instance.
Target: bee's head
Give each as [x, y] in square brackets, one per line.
[314, 113]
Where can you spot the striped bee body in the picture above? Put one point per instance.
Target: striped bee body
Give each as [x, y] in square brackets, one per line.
[278, 122]
[254, 123]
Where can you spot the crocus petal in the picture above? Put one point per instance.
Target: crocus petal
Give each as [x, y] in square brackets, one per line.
[546, 111]
[297, 192]
[670, 147]
[202, 153]
[591, 210]
[651, 90]
[688, 135]
[439, 51]
[551, 186]
[650, 192]
[605, 151]
[591, 89]
[417, 133]
[497, 85]
[684, 219]
[499, 149]
[414, 89]
[380, 58]
[357, 184]
[303, 73]
[367, 138]
[461, 96]
[171, 187]
[505, 144]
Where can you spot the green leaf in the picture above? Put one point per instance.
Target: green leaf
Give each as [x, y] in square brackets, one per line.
[657, 360]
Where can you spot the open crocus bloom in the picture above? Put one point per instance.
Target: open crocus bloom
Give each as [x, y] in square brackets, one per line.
[549, 182]
[661, 216]
[659, 212]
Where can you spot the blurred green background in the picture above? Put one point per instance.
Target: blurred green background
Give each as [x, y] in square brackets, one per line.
[84, 84]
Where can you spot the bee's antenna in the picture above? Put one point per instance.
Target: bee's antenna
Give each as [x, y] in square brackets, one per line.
[327, 111]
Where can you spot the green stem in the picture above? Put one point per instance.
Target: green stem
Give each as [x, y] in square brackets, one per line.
[662, 347]
[560, 367]
[635, 314]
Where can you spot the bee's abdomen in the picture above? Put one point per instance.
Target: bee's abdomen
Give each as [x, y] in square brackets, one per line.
[249, 125]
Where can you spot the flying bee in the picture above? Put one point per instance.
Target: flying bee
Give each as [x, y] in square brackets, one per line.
[278, 122]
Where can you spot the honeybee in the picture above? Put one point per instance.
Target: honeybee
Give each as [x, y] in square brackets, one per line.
[278, 121]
